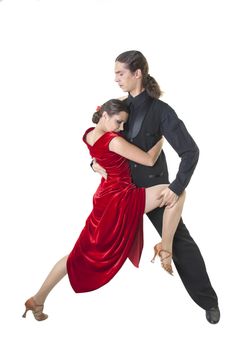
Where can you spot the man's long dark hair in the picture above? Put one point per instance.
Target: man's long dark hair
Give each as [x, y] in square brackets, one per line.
[135, 60]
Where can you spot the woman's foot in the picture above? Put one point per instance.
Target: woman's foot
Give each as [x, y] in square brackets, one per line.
[165, 257]
[36, 309]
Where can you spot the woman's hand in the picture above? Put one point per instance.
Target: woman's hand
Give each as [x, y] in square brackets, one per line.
[98, 169]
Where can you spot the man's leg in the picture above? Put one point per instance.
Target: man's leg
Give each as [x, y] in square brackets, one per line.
[189, 263]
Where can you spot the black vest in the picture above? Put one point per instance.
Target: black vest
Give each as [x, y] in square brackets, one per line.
[143, 130]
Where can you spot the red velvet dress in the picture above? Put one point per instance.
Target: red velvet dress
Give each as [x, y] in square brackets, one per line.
[113, 231]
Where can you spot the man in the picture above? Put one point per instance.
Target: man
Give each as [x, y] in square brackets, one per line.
[149, 118]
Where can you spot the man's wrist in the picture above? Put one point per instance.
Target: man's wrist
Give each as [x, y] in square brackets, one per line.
[175, 188]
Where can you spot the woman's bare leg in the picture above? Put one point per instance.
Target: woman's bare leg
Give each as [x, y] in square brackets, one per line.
[171, 218]
[57, 273]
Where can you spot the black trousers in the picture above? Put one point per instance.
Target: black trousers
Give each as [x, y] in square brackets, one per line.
[189, 263]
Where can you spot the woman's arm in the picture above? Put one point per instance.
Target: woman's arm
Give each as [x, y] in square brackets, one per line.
[125, 149]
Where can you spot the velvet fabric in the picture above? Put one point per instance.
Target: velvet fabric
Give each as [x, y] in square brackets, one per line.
[113, 231]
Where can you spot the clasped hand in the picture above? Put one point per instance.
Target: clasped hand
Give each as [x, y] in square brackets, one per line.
[98, 169]
[168, 197]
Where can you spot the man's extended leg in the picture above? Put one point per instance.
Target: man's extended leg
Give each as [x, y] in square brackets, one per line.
[189, 263]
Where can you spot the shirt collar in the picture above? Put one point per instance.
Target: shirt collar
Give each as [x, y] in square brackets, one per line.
[139, 99]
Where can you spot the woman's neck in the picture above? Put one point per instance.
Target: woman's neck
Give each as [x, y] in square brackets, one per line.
[99, 129]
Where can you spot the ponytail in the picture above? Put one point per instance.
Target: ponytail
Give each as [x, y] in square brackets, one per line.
[151, 86]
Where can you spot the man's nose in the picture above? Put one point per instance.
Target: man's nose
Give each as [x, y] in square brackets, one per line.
[121, 127]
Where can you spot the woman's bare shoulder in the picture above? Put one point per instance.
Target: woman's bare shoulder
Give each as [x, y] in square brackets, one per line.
[117, 142]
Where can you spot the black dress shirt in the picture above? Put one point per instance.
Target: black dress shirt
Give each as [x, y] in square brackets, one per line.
[149, 119]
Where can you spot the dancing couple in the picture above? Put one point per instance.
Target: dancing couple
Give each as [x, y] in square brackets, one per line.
[126, 147]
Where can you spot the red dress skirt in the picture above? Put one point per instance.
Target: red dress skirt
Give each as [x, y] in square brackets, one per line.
[113, 231]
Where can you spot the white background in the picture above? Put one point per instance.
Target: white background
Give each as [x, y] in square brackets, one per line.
[56, 65]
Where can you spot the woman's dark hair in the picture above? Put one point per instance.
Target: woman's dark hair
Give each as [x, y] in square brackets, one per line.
[112, 107]
[135, 60]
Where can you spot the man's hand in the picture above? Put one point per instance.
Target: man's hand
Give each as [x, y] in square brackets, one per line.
[168, 197]
[98, 169]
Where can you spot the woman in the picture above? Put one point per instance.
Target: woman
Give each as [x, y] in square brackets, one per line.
[114, 230]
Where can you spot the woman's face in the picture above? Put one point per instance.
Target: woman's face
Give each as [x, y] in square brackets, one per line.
[115, 122]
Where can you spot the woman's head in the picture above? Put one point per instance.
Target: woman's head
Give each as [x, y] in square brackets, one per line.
[132, 73]
[111, 115]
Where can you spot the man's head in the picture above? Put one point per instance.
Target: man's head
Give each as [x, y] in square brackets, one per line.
[130, 69]
[132, 74]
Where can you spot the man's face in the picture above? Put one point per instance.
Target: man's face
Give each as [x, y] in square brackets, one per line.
[126, 80]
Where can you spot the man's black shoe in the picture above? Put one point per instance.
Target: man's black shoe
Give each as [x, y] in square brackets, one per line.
[213, 315]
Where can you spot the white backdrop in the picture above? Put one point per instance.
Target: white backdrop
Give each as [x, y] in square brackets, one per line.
[56, 65]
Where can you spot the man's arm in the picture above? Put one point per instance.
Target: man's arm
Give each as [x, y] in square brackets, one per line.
[98, 169]
[182, 142]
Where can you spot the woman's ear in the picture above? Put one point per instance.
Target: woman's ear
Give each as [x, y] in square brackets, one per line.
[105, 115]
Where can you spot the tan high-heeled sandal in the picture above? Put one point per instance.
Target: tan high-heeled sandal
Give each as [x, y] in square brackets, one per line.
[36, 309]
[157, 251]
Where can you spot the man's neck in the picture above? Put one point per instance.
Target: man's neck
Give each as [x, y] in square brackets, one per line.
[136, 92]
